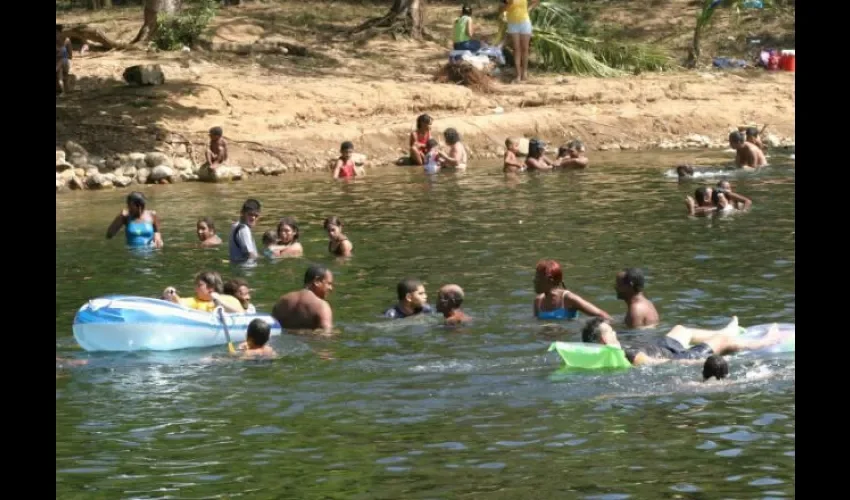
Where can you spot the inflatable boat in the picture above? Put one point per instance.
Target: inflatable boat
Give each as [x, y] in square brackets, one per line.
[127, 323]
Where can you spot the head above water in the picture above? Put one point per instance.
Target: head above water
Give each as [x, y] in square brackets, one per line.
[715, 366]
[239, 289]
[205, 228]
[250, 212]
[452, 136]
[629, 282]
[346, 148]
[703, 195]
[136, 203]
[684, 171]
[269, 237]
[449, 298]
[319, 279]
[411, 291]
[548, 276]
[736, 139]
[287, 230]
[724, 185]
[431, 144]
[216, 132]
[752, 132]
[598, 331]
[258, 333]
[333, 225]
[511, 144]
[576, 147]
[536, 148]
[423, 122]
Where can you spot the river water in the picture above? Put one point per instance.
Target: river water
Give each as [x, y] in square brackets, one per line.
[414, 410]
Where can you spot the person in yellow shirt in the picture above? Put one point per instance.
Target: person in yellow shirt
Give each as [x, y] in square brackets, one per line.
[519, 31]
[208, 295]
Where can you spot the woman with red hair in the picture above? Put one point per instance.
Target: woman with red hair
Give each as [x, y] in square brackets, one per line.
[553, 300]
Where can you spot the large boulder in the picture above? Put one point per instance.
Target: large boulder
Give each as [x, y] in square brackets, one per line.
[144, 74]
[223, 173]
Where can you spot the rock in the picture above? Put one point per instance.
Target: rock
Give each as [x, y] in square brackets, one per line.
[122, 181]
[78, 160]
[359, 159]
[142, 175]
[155, 159]
[698, 140]
[62, 167]
[608, 147]
[91, 171]
[250, 170]
[129, 171]
[188, 176]
[72, 147]
[183, 164]
[272, 169]
[76, 183]
[80, 172]
[147, 74]
[98, 181]
[60, 183]
[137, 159]
[60, 157]
[114, 163]
[161, 172]
[772, 141]
[66, 175]
[223, 173]
[96, 161]
[118, 172]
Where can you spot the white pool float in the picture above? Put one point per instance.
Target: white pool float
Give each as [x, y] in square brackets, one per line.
[128, 323]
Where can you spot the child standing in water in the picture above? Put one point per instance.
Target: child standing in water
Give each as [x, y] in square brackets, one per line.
[216, 153]
[256, 340]
[419, 139]
[338, 243]
[345, 168]
[432, 157]
[270, 244]
[571, 156]
[206, 233]
[457, 156]
[511, 163]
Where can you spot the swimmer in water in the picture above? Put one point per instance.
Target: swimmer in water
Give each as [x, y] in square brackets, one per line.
[752, 136]
[345, 167]
[675, 345]
[572, 156]
[536, 159]
[449, 302]
[747, 155]
[287, 239]
[553, 300]
[715, 366]
[684, 172]
[629, 285]
[511, 163]
[206, 233]
[141, 226]
[412, 300]
[738, 201]
[308, 309]
[338, 243]
[256, 341]
[457, 156]
[708, 201]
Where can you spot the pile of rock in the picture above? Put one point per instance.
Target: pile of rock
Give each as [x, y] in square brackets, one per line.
[77, 169]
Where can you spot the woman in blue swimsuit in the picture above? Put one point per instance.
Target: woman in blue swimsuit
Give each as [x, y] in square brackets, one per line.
[141, 226]
[554, 301]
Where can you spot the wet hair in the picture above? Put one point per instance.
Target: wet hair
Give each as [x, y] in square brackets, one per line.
[715, 366]
[315, 272]
[563, 150]
[288, 221]
[466, 10]
[233, 286]
[552, 270]
[216, 131]
[212, 279]
[575, 144]
[136, 198]
[684, 171]
[634, 278]
[251, 205]
[700, 193]
[509, 142]
[432, 143]
[270, 237]
[752, 132]
[333, 220]
[591, 333]
[736, 137]
[259, 332]
[209, 223]
[715, 196]
[405, 286]
[346, 145]
[720, 185]
[453, 298]
[535, 147]
[423, 120]
[452, 136]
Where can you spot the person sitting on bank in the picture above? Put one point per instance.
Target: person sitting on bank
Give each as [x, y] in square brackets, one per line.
[463, 31]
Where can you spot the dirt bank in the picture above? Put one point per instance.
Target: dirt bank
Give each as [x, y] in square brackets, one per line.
[294, 111]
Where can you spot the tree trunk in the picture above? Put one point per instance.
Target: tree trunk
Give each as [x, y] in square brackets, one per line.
[152, 10]
[406, 17]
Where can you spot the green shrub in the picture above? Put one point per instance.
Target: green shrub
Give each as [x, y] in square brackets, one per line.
[185, 28]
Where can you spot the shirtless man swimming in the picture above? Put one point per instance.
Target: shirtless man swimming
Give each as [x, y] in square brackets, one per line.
[747, 155]
[307, 309]
[449, 300]
[674, 345]
[629, 286]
